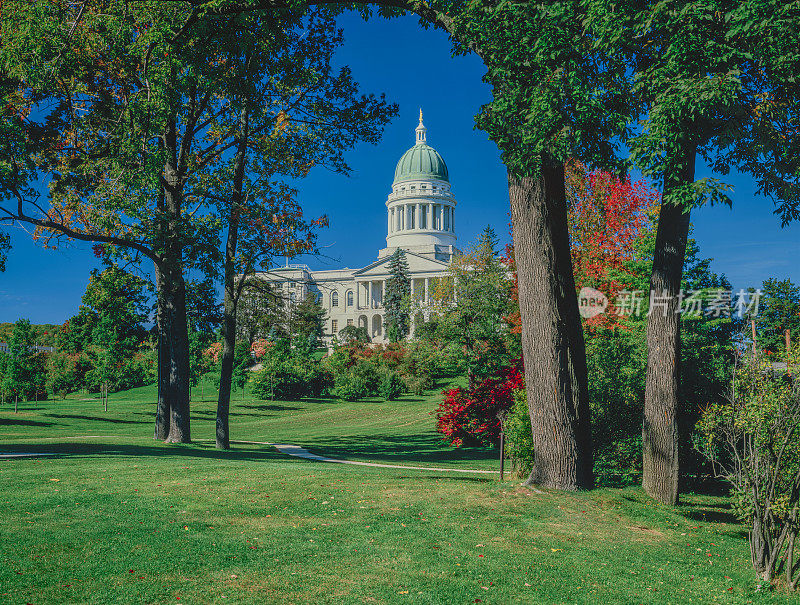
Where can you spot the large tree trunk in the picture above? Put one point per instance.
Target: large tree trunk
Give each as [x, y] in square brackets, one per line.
[177, 348]
[228, 346]
[231, 297]
[660, 423]
[228, 337]
[173, 295]
[162, 404]
[552, 336]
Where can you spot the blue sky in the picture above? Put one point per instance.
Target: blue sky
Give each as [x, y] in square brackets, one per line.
[414, 68]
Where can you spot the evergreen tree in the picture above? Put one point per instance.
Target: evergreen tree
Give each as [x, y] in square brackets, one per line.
[308, 320]
[482, 301]
[398, 289]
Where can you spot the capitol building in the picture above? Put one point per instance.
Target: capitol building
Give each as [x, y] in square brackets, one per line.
[420, 219]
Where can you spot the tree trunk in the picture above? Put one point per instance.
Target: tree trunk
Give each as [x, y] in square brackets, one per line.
[228, 338]
[177, 350]
[660, 423]
[231, 296]
[552, 336]
[162, 404]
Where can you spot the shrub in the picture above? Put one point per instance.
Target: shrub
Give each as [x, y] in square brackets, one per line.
[518, 436]
[279, 380]
[471, 416]
[350, 387]
[63, 375]
[359, 381]
[391, 386]
[449, 360]
[752, 441]
[417, 385]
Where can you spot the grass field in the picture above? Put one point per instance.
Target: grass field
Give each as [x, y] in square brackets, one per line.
[115, 517]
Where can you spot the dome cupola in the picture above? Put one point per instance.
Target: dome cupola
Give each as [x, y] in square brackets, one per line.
[421, 162]
[421, 207]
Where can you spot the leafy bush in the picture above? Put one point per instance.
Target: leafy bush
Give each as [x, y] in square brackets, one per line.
[391, 386]
[518, 436]
[449, 360]
[417, 385]
[279, 380]
[752, 441]
[63, 374]
[350, 387]
[471, 416]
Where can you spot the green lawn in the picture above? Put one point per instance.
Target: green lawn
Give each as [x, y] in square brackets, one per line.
[117, 517]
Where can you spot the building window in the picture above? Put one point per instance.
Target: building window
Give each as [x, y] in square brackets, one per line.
[334, 299]
[334, 326]
[349, 298]
[291, 296]
[423, 217]
[349, 322]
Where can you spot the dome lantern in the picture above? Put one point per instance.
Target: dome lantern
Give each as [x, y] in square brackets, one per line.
[421, 162]
[421, 130]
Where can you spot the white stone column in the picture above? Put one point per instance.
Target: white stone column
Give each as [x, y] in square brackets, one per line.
[441, 217]
[389, 222]
[427, 286]
[412, 291]
[453, 219]
[431, 224]
[369, 303]
[419, 215]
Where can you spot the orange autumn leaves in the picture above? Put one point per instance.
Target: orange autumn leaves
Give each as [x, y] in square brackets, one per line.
[607, 216]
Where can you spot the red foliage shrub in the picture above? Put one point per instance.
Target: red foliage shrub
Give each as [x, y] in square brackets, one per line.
[470, 417]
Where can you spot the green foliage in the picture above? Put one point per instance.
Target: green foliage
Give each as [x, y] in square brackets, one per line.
[751, 439]
[396, 303]
[617, 364]
[259, 312]
[109, 334]
[290, 372]
[23, 369]
[555, 94]
[5, 246]
[308, 320]
[391, 386]
[779, 310]
[482, 301]
[350, 335]
[66, 373]
[518, 436]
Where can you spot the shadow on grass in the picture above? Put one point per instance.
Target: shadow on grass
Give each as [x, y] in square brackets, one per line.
[80, 417]
[69, 450]
[711, 515]
[408, 449]
[21, 422]
[265, 407]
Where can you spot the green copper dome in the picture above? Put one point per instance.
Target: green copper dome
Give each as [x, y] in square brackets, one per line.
[421, 162]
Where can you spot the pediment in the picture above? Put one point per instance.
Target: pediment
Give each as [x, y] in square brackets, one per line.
[416, 264]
